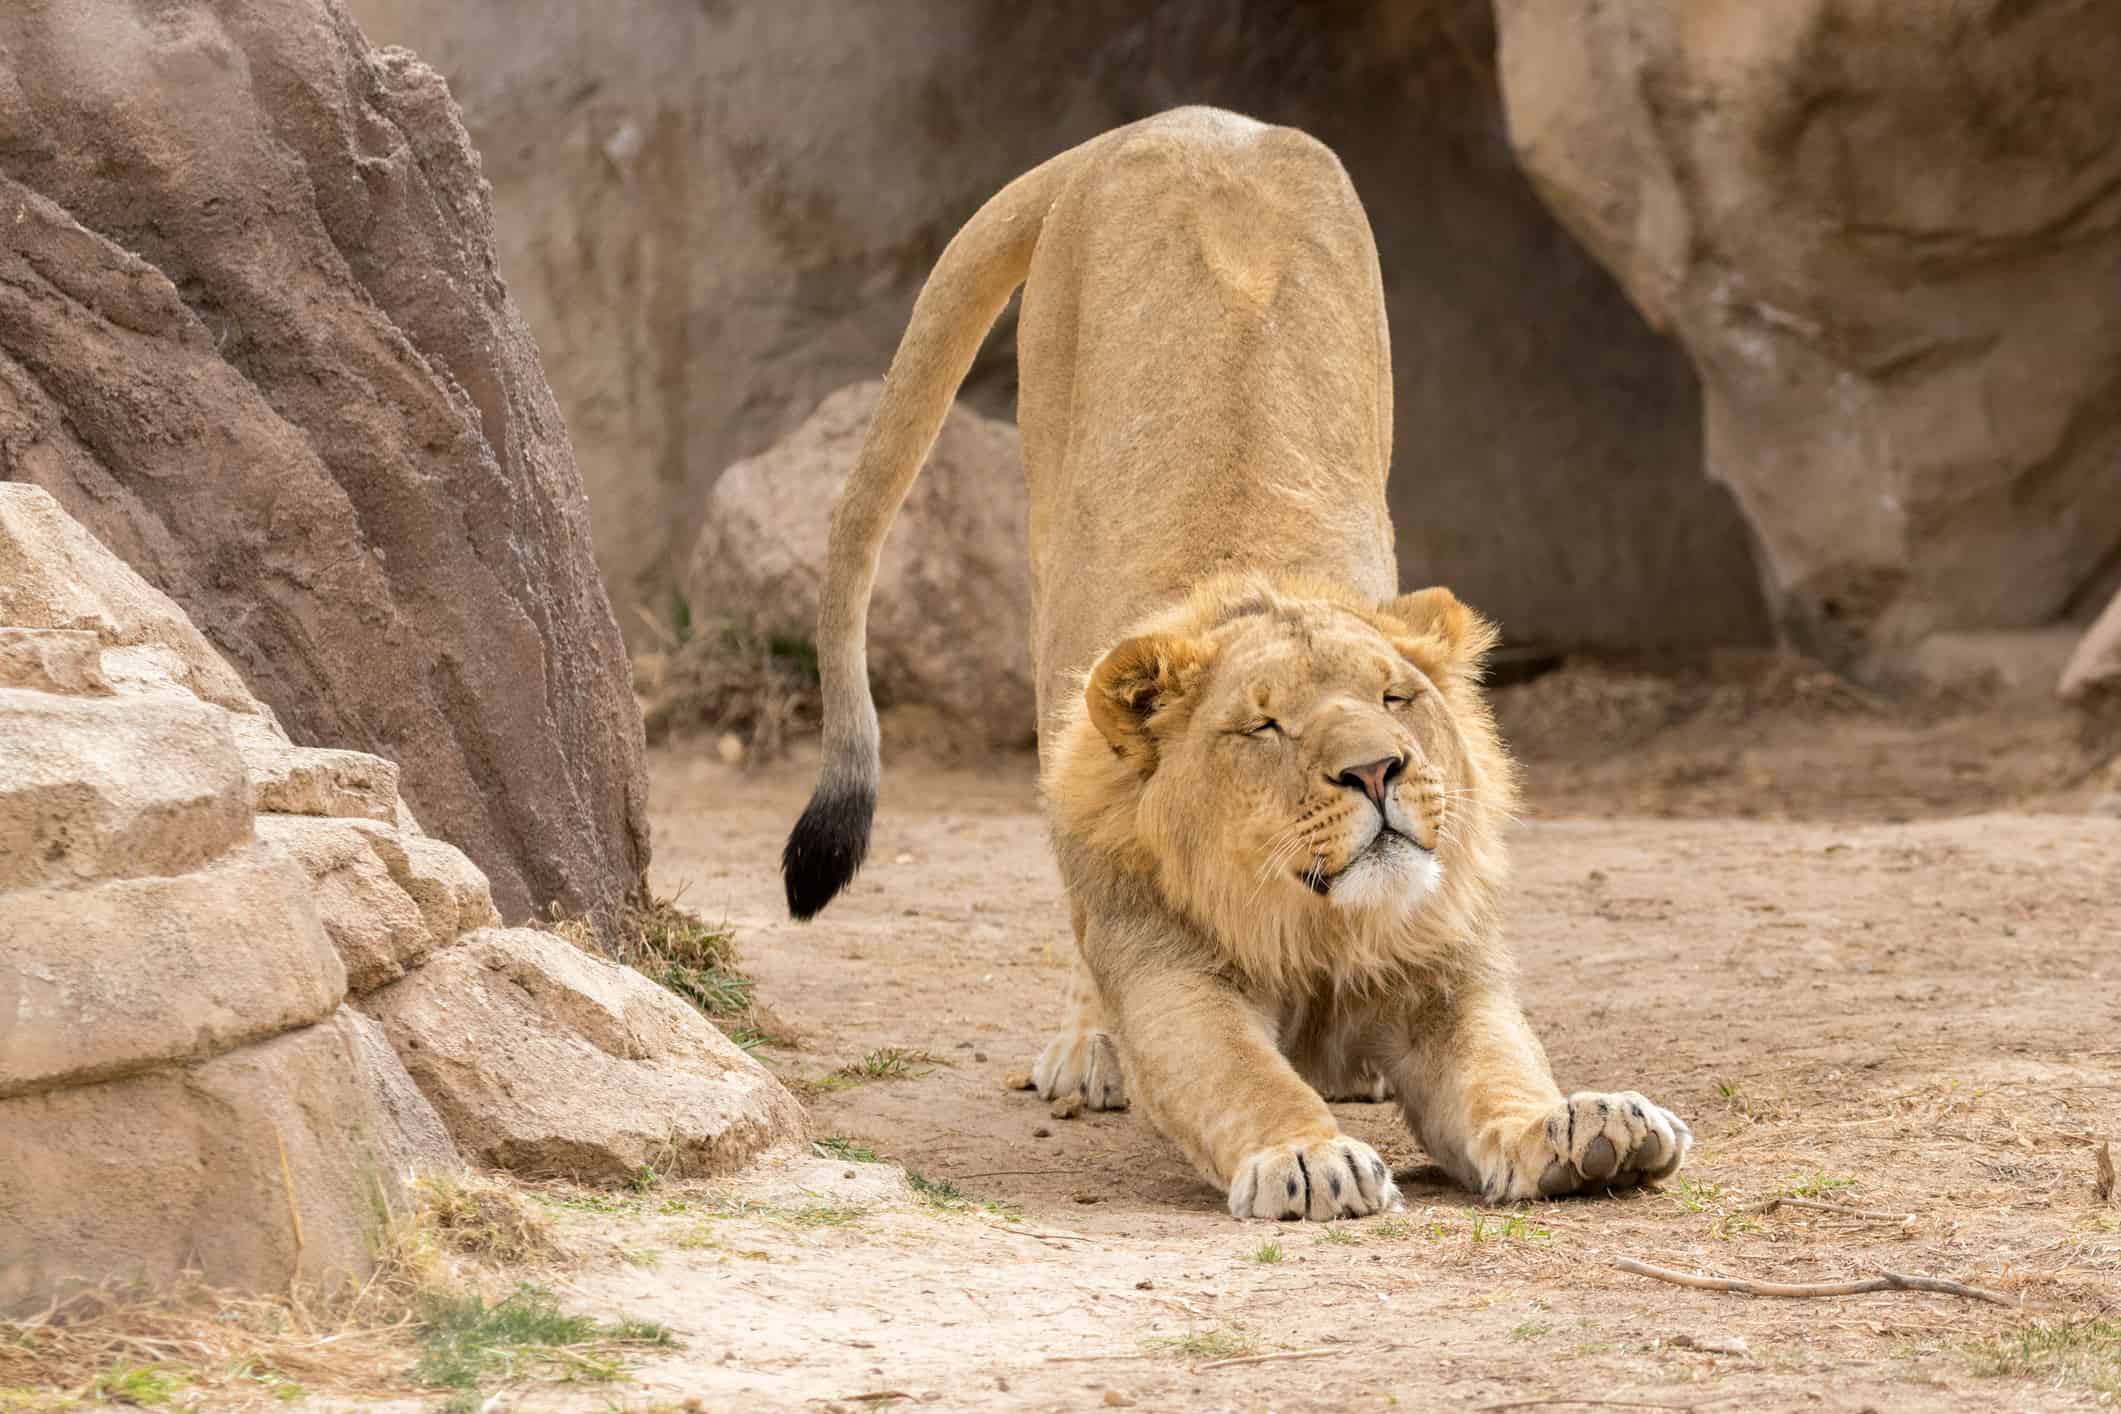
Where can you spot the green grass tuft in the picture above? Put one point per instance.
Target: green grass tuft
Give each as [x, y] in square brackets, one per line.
[464, 1341]
[141, 1385]
[1268, 1253]
[838, 1146]
[945, 1196]
[1816, 1184]
[2082, 1354]
[1221, 1343]
[888, 1063]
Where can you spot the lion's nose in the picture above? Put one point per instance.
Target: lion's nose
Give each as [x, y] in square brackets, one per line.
[1373, 778]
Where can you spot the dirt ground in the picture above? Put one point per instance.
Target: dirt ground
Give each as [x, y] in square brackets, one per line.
[1873, 958]
[1871, 954]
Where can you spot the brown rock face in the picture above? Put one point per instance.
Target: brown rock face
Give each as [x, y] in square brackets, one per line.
[714, 215]
[950, 619]
[1887, 235]
[251, 336]
[548, 1062]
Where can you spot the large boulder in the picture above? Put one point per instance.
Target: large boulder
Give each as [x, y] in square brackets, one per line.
[262, 1166]
[1886, 233]
[714, 215]
[950, 618]
[177, 1086]
[551, 1063]
[187, 900]
[252, 336]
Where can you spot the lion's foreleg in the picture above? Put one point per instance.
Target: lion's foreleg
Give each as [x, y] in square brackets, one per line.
[1203, 1066]
[1479, 1094]
[1082, 1059]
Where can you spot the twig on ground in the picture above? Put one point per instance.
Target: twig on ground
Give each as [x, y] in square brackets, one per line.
[1885, 1281]
[1017, 1173]
[1311, 1354]
[1817, 1205]
[1022, 1231]
[1601, 1403]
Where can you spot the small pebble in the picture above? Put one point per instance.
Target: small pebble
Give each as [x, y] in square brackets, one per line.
[1145, 1285]
[1067, 1107]
[1017, 1080]
[730, 748]
[979, 1057]
[1042, 1133]
[1117, 1400]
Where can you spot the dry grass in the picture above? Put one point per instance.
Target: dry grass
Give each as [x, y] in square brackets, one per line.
[677, 949]
[760, 684]
[425, 1307]
[484, 1219]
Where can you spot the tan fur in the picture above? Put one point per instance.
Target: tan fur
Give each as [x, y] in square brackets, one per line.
[1277, 793]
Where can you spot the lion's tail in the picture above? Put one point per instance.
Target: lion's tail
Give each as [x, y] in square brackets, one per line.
[978, 271]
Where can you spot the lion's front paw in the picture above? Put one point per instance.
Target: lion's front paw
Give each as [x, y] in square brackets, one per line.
[1337, 1178]
[1597, 1141]
[1082, 1063]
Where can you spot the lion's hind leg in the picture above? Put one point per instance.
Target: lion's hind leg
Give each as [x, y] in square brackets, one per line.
[1082, 1059]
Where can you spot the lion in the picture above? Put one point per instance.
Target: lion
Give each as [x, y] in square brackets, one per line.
[1277, 794]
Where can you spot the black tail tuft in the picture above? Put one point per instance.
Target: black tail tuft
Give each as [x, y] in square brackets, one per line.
[826, 847]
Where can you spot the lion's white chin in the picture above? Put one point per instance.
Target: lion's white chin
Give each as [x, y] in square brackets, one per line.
[1394, 875]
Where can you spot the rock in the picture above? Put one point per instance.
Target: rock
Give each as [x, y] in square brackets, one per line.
[1885, 287]
[412, 1139]
[52, 660]
[377, 929]
[548, 1062]
[388, 898]
[707, 241]
[448, 889]
[252, 337]
[113, 788]
[2094, 666]
[254, 1168]
[309, 780]
[55, 575]
[106, 980]
[950, 618]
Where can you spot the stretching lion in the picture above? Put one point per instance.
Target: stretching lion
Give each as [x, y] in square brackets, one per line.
[1277, 794]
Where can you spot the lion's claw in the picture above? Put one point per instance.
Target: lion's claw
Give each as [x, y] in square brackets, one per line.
[1082, 1063]
[1595, 1140]
[1336, 1178]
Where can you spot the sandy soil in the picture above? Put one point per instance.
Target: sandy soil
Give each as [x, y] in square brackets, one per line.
[1921, 1019]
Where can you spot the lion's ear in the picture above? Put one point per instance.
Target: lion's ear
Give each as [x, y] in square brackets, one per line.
[1135, 682]
[1444, 638]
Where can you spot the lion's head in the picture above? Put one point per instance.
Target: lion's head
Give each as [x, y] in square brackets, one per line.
[1314, 780]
